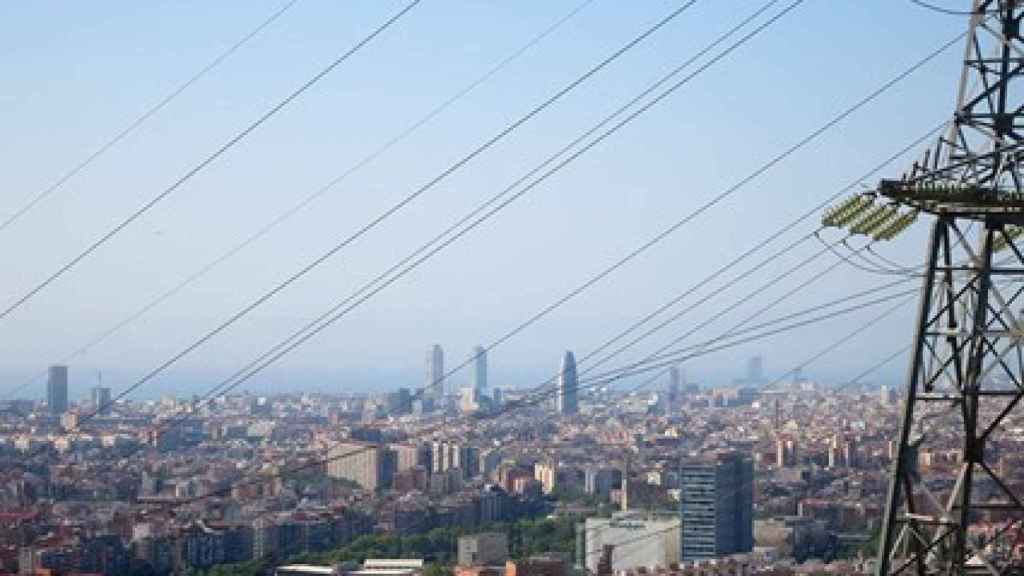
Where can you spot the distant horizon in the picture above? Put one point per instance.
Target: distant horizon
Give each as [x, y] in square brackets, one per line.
[362, 383]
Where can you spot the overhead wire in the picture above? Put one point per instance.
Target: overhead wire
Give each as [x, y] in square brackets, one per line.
[320, 192]
[862, 267]
[764, 242]
[722, 196]
[849, 336]
[893, 265]
[142, 119]
[208, 160]
[743, 328]
[786, 295]
[943, 10]
[832, 123]
[658, 357]
[316, 262]
[846, 113]
[717, 292]
[704, 348]
[540, 396]
[428, 249]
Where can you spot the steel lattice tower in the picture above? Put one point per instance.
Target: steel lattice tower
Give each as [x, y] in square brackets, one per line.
[956, 497]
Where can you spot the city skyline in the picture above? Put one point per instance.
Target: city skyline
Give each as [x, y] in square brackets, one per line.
[396, 338]
[237, 259]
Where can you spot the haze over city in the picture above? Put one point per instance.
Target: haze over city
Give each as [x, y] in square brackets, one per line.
[567, 288]
[77, 75]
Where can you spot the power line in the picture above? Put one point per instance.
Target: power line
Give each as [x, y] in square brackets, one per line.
[942, 10]
[778, 278]
[772, 237]
[761, 170]
[542, 394]
[311, 328]
[850, 336]
[149, 113]
[399, 205]
[340, 310]
[276, 352]
[207, 161]
[722, 196]
[704, 348]
[306, 332]
[264, 230]
[732, 282]
[856, 379]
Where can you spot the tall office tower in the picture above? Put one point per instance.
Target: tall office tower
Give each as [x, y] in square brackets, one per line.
[673, 392]
[478, 378]
[435, 372]
[101, 400]
[755, 370]
[568, 383]
[717, 506]
[57, 389]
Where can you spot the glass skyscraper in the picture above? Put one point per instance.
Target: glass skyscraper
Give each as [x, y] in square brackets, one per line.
[478, 374]
[57, 389]
[568, 384]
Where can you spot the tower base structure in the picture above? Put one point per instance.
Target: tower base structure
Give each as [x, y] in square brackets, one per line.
[956, 496]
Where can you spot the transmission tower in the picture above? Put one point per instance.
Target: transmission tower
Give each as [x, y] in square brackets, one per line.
[956, 496]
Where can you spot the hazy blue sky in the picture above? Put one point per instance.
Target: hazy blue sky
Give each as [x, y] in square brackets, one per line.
[76, 73]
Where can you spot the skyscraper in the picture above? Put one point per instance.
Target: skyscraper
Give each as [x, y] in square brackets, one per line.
[478, 377]
[755, 370]
[435, 372]
[101, 400]
[717, 506]
[57, 389]
[568, 382]
[672, 394]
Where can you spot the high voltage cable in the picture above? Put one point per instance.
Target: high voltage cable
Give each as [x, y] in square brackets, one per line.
[875, 366]
[792, 291]
[789, 226]
[820, 130]
[892, 263]
[707, 205]
[248, 372]
[740, 329]
[542, 395]
[942, 10]
[264, 230]
[276, 351]
[340, 310]
[870, 268]
[346, 304]
[149, 113]
[311, 328]
[737, 489]
[704, 348]
[732, 282]
[737, 303]
[737, 331]
[850, 336]
[207, 161]
[402, 203]
[542, 389]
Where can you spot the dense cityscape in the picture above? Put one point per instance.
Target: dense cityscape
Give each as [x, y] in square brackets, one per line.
[788, 478]
[290, 201]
